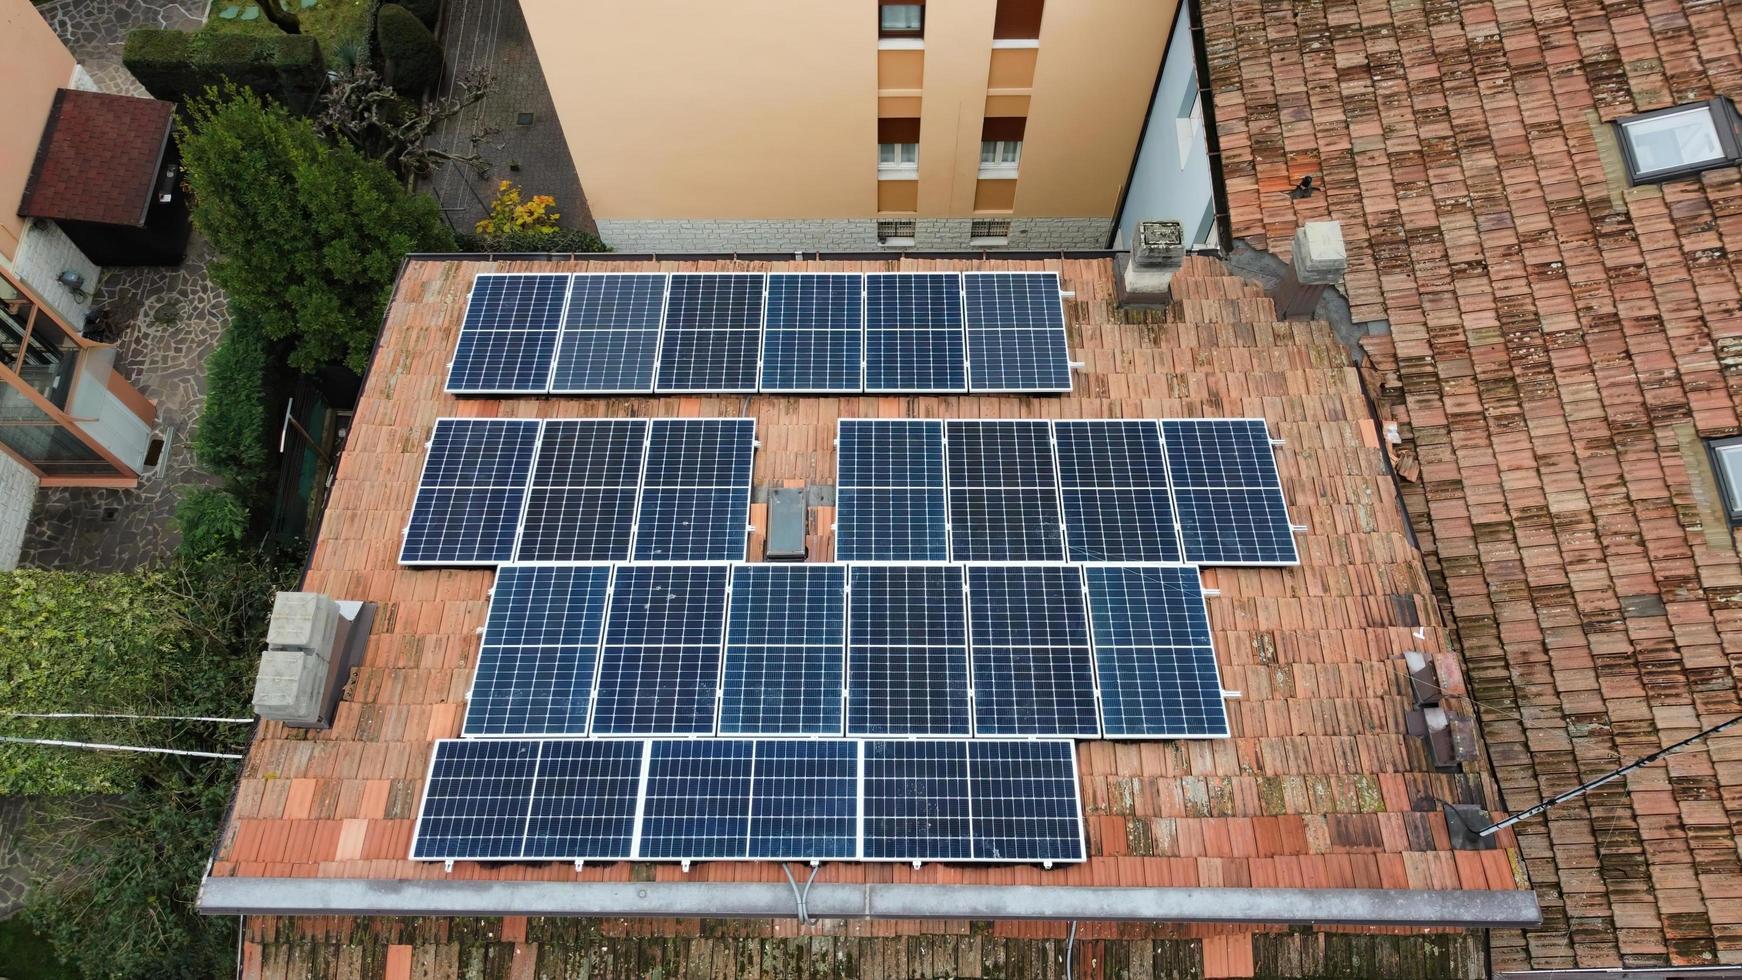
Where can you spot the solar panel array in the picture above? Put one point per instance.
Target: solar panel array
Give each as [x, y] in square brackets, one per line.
[879, 650]
[494, 490]
[743, 799]
[1205, 491]
[621, 333]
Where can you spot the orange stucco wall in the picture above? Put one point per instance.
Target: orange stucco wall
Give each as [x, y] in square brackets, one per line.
[33, 64]
[768, 108]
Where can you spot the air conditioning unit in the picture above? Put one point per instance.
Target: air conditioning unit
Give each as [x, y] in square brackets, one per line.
[1159, 244]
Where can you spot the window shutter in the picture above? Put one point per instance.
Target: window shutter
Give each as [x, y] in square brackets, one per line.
[1004, 128]
[898, 130]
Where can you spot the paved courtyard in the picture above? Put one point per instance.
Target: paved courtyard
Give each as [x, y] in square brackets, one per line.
[493, 34]
[171, 321]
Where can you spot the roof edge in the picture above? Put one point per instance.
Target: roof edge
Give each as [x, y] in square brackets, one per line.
[1001, 255]
[667, 899]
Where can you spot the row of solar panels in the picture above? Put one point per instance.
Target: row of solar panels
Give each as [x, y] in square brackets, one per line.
[1120, 651]
[706, 799]
[1199, 490]
[623, 333]
[494, 490]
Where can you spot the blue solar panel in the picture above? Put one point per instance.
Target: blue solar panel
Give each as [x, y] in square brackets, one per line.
[583, 805]
[804, 800]
[814, 338]
[916, 801]
[1033, 670]
[695, 498]
[1023, 796]
[1227, 492]
[471, 492]
[785, 650]
[610, 336]
[540, 651]
[660, 668]
[1016, 332]
[1004, 500]
[1113, 476]
[698, 800]
[712, 333]
[913, 332]
[509, 334]
[1152, 652]
[582, 503]
[475, 801]
[907, 658]
[890, 491]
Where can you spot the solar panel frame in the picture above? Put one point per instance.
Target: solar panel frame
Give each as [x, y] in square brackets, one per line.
[932, 534]
[967, 492]
[888, 820]
[1070, 706]
[627, 639]
[876, 695]
[820, 647]
[497, 651]
[558, 760]
[1051, 336]
[541, 375]
[686, 806]
[458, 752]
[1268, 487]
[1121, 493]
[658, 332]
[671, 336]
[1051, 847]
[1196, 652]
[506, 487]
[566, 490]
[781, 760]
[944, 333]
[666, 490]
[770, 307]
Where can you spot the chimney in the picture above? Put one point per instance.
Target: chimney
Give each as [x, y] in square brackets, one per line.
[1319, 261]
[311, 645]
[1155, 256]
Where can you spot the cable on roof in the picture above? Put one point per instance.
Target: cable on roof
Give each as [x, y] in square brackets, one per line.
[1070, 948]
[76, 714]
[804, 916]
[104, 747]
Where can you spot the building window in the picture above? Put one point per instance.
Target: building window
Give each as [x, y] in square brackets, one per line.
[1188, 126]
[895, 233]
[897, 160]
[1680, 141]
[34, 346]
[989, 231]
[901, 20]
[1727, 464]
[998, 158]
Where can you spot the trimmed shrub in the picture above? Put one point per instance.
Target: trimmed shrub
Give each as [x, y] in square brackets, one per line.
[560, 240]
[231, 440]
[428, 11]
[177, 66]
[211, 521]
[414, 58]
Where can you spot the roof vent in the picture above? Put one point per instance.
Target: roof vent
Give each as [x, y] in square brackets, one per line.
[311, 645]
[1160, 244]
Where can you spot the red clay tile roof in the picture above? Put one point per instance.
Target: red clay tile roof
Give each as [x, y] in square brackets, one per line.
[1558, 345]
[1320, 787]
[98, 158]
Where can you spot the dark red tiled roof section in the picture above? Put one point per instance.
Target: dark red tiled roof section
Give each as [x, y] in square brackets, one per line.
[98, 158]
[1558, 344]
[1319, 787]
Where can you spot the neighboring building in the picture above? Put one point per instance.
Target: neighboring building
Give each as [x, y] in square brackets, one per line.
[793, 124]
[1171, 176]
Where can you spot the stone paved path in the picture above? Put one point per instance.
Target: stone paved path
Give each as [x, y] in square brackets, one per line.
[492, 34]
[172, 319]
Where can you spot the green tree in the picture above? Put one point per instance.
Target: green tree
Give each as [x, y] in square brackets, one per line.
[309, 235]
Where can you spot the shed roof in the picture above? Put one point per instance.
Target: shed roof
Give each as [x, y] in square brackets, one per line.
[98, 160]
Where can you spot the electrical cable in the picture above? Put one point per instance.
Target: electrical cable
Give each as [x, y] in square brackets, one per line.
[103, 747]
[76, 714]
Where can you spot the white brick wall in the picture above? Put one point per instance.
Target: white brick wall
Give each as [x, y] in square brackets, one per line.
[17, 496]
[835, 234]
[42, 255]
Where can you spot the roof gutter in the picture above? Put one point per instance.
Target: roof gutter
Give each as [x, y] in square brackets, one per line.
[666, 899]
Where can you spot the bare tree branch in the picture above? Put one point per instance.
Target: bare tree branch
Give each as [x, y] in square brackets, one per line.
[360, 108]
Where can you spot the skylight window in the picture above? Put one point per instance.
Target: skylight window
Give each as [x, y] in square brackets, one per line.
[1680, 141]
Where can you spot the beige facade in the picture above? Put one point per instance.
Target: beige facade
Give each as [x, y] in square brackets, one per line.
[756, 123]
[33, 65]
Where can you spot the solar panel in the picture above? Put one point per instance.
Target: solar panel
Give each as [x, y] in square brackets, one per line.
[712, 334]
[509, 334]
[1227, 493]
[907, 658]
[1153, 656]
[1003, 496]
[913, 332]
[471, 492]
[814, 340]
[1032, 667]
[916, 801]
[1016, 332]
[890, 491]
[695, 497]
[583, 804]
[804, 800]
[660, 666]
[698, 800]
[610, 334]
[1113, 477]
[581, 505]
[1024, 801]
[540, 651]
[785, 649]
[475, 801]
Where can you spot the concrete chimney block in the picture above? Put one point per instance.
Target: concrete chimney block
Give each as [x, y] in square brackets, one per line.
[305, 621]
[1319, 256]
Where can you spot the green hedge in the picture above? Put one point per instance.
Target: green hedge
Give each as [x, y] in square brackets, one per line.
[177, 66]
[231, 440]
[428, 11]
[414, 57]
[562, 240]
[211, 522]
